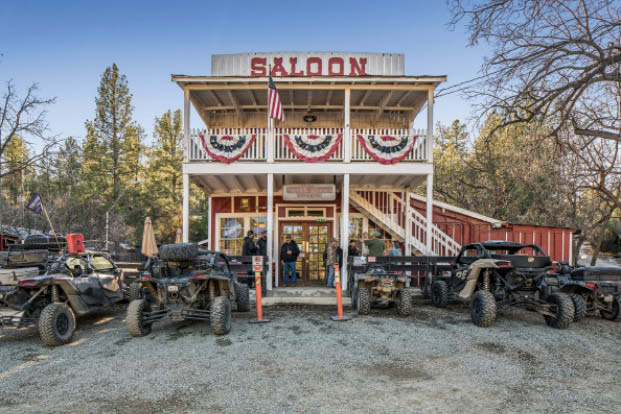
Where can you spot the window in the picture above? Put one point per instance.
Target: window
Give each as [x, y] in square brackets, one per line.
[316, 212]
[231, 235]
[355, 227]
[258, 225]
[295, 213]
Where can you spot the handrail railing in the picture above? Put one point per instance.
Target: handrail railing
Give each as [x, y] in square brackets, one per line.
[258, 150]
[389, 208]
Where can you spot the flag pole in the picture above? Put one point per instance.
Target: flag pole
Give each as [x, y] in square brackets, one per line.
[48, 219]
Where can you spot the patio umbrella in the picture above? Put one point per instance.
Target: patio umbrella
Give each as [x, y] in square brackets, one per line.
[149, 246]
[178, 237]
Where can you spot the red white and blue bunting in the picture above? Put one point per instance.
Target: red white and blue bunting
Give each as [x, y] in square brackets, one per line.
[226, 148]
[313, 148]
[387, 149]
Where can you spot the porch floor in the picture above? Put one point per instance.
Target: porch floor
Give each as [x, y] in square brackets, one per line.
[319, 296]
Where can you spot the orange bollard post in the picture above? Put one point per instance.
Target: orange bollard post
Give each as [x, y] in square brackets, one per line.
[339, 296]
[259, 292]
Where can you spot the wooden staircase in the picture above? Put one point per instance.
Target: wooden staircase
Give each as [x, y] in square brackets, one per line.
[389, 211]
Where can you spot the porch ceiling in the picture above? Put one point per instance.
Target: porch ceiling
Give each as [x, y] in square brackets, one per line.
[257, 183]
[219, 96]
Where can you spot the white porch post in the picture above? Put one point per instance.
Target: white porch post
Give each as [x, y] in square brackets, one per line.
[186, 208]
[270, 139]
[408, 223]
[429, 241]
[270, 231]
[210, 243]
[429, 215]
[186, 125]
[345, 229]
[347, 130]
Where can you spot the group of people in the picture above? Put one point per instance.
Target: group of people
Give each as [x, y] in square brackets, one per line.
[333, 254]
[250, 248]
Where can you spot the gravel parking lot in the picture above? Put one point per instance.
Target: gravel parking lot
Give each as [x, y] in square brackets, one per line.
[434, 360]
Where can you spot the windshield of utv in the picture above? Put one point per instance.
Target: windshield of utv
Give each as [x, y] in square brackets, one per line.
[521, 256]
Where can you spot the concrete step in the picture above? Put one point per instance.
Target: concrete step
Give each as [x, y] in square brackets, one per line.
[307, 296]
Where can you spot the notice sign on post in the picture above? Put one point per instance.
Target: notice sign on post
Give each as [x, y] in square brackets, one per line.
[257, 263]
[309, 192]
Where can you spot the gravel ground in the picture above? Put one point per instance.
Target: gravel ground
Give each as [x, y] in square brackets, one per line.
[432, 361]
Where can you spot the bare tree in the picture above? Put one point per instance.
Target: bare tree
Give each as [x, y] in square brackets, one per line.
[551, 59]
[23, 118]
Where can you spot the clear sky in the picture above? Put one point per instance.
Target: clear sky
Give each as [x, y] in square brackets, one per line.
[66, 45]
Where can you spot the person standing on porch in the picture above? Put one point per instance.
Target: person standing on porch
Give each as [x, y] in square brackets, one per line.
[332, 256]
[289, 253]
[352, 249]
[375, 246]
[262, 244]
[249, 248]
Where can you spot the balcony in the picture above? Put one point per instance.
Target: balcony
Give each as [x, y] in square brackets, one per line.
[347, 150]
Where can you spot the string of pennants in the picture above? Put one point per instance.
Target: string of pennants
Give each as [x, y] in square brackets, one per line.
[310, 147]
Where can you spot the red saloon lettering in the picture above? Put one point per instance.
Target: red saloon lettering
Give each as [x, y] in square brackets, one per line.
[335, 66]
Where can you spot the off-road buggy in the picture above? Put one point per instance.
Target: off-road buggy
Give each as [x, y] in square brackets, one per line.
[186, 282]
[74, 284]
[379, 284]
[593, 289]
[497, 274]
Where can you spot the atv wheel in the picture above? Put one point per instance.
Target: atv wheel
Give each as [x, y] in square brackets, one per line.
[221, 315]
[565, 311]
[579, 306]
[135, 318]
[439, 293]
[483, 308]
[613, 313]
[179, 252]
[56, 324]
[242, 297]
[363, 304]
[135, 291]
[405, 302]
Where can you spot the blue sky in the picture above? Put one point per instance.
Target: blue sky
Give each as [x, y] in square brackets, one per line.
[65, 46]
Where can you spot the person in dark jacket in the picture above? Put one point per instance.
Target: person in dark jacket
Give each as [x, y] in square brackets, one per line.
[352, 249]
[262, 245]
[249, 248]
[289, 253]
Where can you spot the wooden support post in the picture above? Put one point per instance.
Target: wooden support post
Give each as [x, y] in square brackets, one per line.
[186, 125]
[347, 129]
[271, 233]
[345, 226]
[186, 208]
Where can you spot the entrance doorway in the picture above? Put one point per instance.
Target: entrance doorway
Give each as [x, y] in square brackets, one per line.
[312, 239]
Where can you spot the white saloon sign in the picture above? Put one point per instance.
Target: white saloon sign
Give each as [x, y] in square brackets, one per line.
[308, 64]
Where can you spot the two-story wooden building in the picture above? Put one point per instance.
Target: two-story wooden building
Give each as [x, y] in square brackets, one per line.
[342, 164]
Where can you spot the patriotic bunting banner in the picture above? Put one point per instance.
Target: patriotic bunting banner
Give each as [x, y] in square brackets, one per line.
[226, 148]
[313, 148]
[387, 149]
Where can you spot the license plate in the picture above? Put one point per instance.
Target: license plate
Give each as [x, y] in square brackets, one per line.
[173, 288]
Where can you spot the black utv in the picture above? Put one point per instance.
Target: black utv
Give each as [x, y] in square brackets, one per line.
[74, 284]
[186, 282]
[593, 289]
[497, 274]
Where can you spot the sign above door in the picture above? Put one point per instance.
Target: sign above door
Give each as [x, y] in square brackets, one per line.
[309, 192]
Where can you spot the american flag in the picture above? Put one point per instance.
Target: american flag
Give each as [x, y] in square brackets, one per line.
[273, 103]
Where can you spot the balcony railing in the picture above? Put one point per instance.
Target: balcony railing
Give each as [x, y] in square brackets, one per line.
[258, 150]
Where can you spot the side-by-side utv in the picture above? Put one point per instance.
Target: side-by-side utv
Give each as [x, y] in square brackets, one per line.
[186, 282]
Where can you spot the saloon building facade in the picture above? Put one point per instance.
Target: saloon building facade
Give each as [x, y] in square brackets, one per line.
[344, 163]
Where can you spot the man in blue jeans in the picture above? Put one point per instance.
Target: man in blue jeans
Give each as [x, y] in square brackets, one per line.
[289, 253]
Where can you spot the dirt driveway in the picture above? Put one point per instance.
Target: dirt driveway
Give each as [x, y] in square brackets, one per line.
[432, 361]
